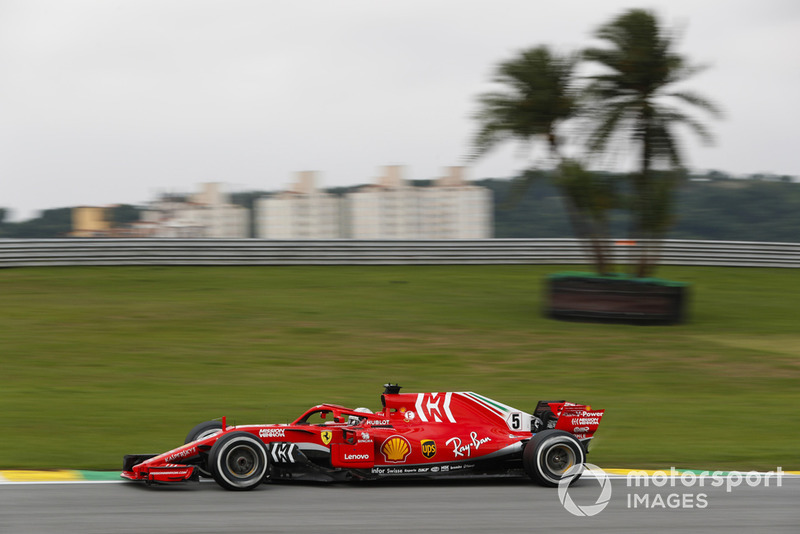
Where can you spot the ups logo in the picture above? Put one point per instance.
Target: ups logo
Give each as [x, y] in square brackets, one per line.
[428, 448]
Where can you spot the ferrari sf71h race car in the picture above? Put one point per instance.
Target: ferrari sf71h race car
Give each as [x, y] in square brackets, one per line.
[414, 435]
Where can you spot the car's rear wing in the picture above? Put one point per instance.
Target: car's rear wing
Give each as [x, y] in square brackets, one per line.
[578, 419]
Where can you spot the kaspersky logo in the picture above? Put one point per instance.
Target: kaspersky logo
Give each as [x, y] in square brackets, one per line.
[396, 449]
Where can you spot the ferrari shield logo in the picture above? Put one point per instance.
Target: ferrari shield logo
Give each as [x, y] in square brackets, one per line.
[428, 448]
[326, 436]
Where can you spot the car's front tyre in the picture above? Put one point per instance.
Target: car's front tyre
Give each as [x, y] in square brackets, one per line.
[550, 454]
[238, 461]
[203, 430]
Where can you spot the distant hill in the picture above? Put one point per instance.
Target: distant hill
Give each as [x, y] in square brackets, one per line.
[706, 208]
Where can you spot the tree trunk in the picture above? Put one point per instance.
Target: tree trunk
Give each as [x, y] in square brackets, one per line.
[641, 190]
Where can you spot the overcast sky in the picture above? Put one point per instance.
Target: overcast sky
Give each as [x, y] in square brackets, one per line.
[114, 101]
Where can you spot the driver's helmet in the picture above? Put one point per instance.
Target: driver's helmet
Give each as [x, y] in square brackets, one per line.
[354, 420]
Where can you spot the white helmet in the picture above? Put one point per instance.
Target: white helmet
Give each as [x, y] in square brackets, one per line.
[354, 420]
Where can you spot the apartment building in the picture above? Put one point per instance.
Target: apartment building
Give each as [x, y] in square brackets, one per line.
[90, 221]
[394, 209]
[207, 214]
[300, 212]
[453, 209]
[388, 209]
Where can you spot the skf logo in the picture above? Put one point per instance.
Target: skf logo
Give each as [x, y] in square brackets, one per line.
[428, 448]
[396, 449]
[326, 436]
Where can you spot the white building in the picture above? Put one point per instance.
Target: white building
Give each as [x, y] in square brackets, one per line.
[301, 212]
[207, 214]
[453, 209]
[394, 209]
[389, 209]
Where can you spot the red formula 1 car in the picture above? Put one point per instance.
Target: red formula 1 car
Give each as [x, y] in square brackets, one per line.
[414, 435]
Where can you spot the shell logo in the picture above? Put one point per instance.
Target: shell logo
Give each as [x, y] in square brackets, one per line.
[396, 449]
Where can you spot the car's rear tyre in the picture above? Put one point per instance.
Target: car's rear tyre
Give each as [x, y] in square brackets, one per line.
[203, 430]
[550, 454]
[238, 461]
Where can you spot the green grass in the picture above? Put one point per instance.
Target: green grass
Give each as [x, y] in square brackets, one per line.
[99, 362]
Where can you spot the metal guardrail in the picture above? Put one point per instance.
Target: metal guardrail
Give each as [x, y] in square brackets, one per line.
[79, 252]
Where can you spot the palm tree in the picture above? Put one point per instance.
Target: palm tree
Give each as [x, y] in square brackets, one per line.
[539, 95]
[634, 100]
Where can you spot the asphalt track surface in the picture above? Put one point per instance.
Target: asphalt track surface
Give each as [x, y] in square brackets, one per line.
[468, 506]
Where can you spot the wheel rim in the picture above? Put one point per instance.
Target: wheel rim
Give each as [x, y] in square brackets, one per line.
[242, 461]
[559, 458]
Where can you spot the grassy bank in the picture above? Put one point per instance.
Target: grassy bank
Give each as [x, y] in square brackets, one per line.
[99, 362]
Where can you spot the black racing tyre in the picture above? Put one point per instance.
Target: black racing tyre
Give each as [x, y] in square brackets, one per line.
[550, 454]
[238, 461]
[203, 430]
